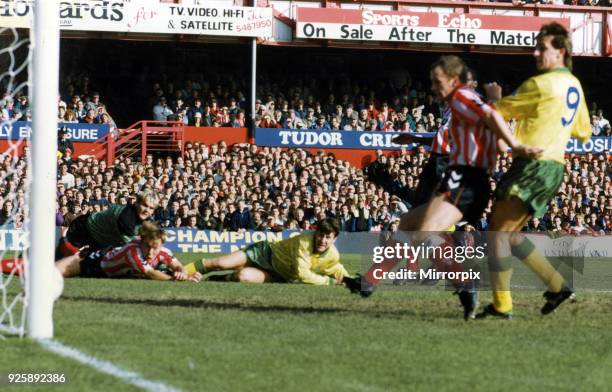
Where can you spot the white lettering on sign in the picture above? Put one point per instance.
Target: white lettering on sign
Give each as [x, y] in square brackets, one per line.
[83, 134]
[377, 140]
[310, 138]
[370, 18]
[148, 16]
[24, 132]
[595, 145]
[5, 130]
[459, 22]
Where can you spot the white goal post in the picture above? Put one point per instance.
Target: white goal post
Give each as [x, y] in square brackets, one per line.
[40, 275]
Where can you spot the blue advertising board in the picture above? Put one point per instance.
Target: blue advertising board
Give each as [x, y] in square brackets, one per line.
[374, 140]
[181, 239]
[77, 132]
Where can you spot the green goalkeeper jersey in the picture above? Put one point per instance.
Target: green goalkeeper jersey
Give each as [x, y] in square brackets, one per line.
[296, 261]
[115, 226]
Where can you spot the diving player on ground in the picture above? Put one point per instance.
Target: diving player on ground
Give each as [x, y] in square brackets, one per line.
[309, 258]
[115, 226]
[138, 259]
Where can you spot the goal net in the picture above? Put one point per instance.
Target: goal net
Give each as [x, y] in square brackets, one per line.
[29, 62]
[15, 57]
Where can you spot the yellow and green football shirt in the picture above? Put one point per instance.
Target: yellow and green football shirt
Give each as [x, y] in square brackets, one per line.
[295, 260]
[550, 108]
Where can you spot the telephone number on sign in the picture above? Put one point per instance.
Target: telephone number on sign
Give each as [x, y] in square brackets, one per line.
[254, 25]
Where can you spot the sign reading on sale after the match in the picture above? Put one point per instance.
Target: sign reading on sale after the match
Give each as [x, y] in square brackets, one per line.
[419, 27]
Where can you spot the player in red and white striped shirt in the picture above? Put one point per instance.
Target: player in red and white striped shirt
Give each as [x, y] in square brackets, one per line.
[465, 190]
[440, 144]
[473, 144]
[436, 165]
[138, 259]
[473, 130]
[135, 259]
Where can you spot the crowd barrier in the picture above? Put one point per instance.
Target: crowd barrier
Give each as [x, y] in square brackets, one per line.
[186, 240]
[77, 132]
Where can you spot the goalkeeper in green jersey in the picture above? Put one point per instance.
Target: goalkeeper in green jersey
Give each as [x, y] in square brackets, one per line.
[550, 108]
[115, 226]
[309, 258]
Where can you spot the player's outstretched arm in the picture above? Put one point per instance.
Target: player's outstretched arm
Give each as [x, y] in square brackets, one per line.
[493, 92]
[153, 274]
[495, 122]
[180, 273]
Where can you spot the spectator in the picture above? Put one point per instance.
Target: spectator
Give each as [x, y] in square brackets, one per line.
[161, 111]
[65, 177]
[64, 143]
[241, 217]
[321, 124]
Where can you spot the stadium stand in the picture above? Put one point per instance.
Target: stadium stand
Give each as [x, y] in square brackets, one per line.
[342, 104]
[240, 187]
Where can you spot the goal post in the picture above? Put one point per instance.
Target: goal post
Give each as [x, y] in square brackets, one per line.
[40, 274]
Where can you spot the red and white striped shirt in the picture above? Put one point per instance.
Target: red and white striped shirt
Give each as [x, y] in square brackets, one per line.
[129, 261]
[440, 144]
[472, 144]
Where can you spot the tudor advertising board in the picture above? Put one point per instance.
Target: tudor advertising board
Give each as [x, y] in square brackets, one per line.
[419, 27]
[378, 140]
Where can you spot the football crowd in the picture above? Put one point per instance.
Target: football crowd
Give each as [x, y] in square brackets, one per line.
[244, 187]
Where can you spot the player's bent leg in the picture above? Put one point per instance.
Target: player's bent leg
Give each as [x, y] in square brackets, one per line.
[369, 281]
[438, 215]
[410, 219]
[252, 275]
[508, 216]
[558, 290]
[511, 216]
[526, 251]
[235, 260]
[69, 266]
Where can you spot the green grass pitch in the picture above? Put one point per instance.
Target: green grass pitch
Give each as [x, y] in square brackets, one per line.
[280, 337]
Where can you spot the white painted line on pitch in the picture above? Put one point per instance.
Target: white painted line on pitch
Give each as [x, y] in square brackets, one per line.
[105, 367]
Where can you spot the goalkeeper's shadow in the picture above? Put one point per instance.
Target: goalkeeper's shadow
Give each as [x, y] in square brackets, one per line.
[205, 304]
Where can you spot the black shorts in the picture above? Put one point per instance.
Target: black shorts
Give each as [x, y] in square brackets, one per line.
[78, 235]
[90, 266]
[468, 189]
[430, 178]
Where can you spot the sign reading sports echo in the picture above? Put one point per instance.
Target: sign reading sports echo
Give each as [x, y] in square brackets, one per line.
[419, 27]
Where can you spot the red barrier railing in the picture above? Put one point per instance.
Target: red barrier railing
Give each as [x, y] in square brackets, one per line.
[139, 139]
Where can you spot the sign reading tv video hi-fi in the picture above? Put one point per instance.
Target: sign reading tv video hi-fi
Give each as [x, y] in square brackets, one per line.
[148, 16]
[419, 27]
